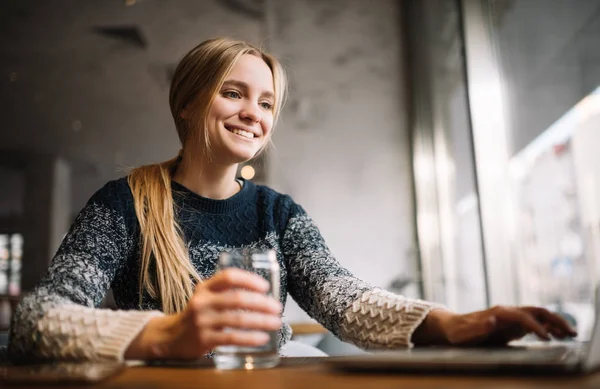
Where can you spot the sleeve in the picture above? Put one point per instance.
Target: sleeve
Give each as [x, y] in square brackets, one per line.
[59, 319]
[350, 308]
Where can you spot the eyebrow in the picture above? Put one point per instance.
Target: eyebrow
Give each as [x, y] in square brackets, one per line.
[243, 85]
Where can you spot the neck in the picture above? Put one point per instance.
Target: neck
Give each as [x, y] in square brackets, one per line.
[208, 179]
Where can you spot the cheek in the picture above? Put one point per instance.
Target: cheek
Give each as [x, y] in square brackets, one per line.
[220, 108]
[267, 125]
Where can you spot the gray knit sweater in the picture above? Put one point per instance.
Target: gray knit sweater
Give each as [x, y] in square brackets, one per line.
[60, 318]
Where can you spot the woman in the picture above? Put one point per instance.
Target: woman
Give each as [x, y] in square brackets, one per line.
[154, 238]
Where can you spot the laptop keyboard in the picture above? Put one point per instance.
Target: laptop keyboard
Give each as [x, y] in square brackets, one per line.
[563, 353]
[550, 353]
[535, 355]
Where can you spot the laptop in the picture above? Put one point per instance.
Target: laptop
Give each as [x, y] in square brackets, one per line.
[521, 358]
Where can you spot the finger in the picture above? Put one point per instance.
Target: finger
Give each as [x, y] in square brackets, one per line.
[557, 332]
[554, 319]
[238, 338]
[237, 278]
[246, 320]
[524, 318]
[251, 301]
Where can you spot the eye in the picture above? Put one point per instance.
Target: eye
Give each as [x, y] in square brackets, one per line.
[266, 105]
[232, 94]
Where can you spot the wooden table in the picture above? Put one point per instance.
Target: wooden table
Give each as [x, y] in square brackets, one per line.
[307, 329]
[311, 373]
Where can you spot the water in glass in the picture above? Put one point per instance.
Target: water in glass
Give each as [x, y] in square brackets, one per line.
[263, 263]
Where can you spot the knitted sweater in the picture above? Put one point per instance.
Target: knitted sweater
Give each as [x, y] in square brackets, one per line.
[60, 318]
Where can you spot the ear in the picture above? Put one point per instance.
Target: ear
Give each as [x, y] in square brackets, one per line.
[185, 114]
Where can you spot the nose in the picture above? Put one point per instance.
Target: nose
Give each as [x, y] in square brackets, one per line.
[250, 114]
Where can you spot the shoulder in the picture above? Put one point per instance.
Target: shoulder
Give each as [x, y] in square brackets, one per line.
[281, 204]
[279, 207]
[115, 195]
[290, 218]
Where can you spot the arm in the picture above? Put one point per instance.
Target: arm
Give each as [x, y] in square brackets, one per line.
[350, 308]
[373, 318]
[59, 318]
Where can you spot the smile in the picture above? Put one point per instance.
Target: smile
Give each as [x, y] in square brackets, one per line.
[240, 132]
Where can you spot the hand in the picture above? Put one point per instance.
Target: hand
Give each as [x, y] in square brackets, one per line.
[232, 299]
[491, 327]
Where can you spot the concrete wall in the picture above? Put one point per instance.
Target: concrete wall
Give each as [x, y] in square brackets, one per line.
[342, 149]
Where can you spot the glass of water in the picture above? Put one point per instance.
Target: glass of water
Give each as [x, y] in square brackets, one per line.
[263, 263]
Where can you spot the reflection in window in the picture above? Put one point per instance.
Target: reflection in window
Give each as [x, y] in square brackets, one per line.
[545, 224]
[556, 188]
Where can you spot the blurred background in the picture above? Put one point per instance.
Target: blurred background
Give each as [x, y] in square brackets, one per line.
[447, 149]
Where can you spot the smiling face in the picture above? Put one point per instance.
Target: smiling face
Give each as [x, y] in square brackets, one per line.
[240, 118]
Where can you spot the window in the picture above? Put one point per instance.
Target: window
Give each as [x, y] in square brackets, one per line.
[533, 76]
[11, 252]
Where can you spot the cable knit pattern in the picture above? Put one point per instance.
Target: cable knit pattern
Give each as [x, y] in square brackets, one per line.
[60, 318]
[380, 319]
[348, 307]
[76, 332]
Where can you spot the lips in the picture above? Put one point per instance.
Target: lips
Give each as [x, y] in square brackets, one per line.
[241, 132]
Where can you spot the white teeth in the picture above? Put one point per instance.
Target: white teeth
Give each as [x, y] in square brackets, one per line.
[243, 133]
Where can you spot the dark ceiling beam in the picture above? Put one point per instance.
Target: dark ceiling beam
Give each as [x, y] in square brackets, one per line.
[130, 35]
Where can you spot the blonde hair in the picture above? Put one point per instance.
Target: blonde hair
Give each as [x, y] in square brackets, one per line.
[197, 80]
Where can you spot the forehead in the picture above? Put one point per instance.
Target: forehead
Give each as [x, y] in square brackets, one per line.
[253, 71]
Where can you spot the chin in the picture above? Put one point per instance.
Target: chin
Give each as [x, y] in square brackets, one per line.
[236, 153]
[243, 154]
[240, 157]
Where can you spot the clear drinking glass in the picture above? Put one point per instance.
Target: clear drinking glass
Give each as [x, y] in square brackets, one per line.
[263, 263]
